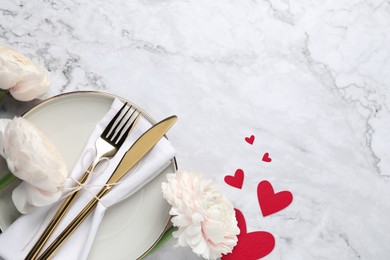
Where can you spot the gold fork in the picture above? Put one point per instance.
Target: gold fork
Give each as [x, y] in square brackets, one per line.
[106, 146]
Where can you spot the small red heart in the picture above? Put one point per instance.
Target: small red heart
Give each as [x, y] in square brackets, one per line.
[250, 246]
[266, 158]
[236, 180]
[271, 202]
[250, 139]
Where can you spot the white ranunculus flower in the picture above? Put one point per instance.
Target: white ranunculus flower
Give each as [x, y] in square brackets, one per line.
[18, 75]
[27, 197]
[32, 157]
[205, 218]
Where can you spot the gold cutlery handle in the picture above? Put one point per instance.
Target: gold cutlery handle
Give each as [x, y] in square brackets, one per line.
[56, 219]
[84, 213]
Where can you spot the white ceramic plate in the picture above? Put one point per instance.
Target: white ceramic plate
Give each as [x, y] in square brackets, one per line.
[130, 228]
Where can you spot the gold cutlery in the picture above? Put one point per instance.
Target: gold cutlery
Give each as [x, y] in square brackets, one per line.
[135, 153]
[106, 146]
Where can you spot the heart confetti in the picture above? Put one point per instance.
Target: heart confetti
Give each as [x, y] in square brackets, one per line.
[255, 245]
[250, 246]
[237, 180]
[271, 202]
[266, 158]
[250, 139]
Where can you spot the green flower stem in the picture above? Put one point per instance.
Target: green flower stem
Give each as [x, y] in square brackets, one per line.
[3, 93]
[6, 180]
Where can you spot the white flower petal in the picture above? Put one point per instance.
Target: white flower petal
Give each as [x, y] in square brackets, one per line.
[197, 217]
[27, 197]
[8, 79]
[3, 125]
[214, 230]
[194, 229]
[20, 76]
[181, 221]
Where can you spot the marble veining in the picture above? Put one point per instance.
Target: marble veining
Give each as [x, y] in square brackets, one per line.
[309, 79]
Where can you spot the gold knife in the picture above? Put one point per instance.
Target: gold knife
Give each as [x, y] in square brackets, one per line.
[135, 153]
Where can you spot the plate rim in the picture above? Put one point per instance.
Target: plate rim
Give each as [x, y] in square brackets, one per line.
[113, 96]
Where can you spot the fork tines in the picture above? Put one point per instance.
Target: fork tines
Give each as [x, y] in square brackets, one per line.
[119, 127]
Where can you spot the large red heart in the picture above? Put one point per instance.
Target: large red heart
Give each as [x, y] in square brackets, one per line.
[271, 202]
[236, 180]
[250, 246]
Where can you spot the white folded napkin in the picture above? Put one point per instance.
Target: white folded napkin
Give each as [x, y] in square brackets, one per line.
[20, 237]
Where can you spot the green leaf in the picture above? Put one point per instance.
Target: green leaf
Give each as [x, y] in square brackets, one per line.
[6, 180]
[3, 93]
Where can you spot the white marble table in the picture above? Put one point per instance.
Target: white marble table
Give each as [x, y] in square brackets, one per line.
[310, 80]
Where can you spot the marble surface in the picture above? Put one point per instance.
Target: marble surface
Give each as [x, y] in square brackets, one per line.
[309, 79]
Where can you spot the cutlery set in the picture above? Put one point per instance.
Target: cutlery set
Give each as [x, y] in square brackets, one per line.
[106, 146]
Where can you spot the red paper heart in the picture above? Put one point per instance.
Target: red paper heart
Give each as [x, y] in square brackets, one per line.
[236, 180]
[250, 139]
[250, 246]
[266, 158]
[271, 202]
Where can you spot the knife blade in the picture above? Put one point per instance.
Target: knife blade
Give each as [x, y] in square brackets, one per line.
[135, 153]
[140, 147]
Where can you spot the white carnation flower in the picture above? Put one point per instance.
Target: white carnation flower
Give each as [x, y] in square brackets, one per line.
[18, 75]
[32, 157]
[205, 218]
